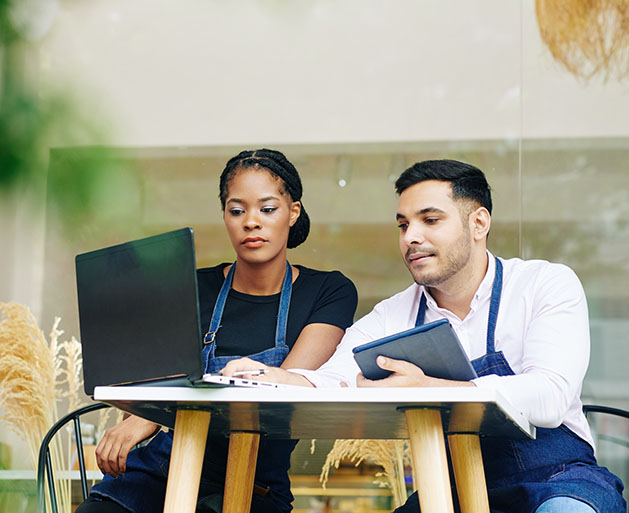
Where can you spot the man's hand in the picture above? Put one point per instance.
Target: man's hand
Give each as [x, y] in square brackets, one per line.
[406, 374]
[270, 374]
[112, 451]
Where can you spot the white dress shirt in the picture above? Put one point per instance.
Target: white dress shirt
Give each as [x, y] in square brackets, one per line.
[542, 330]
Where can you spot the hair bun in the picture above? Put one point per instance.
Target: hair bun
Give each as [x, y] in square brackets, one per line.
[299, 231]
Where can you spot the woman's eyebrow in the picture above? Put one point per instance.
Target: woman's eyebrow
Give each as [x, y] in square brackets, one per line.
[260, 200]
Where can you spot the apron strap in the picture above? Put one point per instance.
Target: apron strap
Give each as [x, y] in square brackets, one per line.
[494, 306]
[209, 340]
[282, 314]
[421, 313]
[219, 307]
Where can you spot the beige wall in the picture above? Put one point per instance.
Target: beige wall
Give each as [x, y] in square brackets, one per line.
[310, 71]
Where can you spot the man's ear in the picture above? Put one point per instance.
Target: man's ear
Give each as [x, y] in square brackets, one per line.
[480, 222]
[295, 211]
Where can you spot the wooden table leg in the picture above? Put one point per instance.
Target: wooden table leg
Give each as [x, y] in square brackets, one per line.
[430, 464]
[469, 473]
[186, 461]
[241, 469]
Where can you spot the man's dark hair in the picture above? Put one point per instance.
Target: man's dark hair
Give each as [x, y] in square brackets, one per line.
[468, 182]
[279, 166]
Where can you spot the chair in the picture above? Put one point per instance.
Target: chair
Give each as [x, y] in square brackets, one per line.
[593, 408]
[44, 464]
[610, 429]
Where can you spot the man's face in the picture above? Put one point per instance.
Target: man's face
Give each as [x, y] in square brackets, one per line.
[434, 239]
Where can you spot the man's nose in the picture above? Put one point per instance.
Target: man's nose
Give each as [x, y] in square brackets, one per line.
[413, 235]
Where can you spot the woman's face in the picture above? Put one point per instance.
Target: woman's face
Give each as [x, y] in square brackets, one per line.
[258, 215]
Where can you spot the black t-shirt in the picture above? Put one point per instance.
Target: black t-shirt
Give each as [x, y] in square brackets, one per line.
[248, 327]
[248, 323]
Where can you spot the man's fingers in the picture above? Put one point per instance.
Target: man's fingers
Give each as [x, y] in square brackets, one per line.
[399, 366]
[362, 381]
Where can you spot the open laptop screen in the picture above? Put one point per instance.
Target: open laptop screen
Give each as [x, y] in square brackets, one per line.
[138, 311]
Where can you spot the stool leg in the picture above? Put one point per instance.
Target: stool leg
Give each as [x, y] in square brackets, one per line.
[469, 473]
[430, 464]
[241, 469]
[186, 461]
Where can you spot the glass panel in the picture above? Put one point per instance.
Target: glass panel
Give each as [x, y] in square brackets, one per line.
[576, 197]
[355, 92]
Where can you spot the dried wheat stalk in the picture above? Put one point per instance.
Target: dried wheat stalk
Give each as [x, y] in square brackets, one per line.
[27, 376]
[34, 375]
[391, 455]
[588, 37]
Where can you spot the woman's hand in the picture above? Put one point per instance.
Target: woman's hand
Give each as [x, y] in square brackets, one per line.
[112, 451]
[269, 375]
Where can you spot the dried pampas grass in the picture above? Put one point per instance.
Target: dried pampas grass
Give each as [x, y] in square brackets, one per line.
[69, 368]
[391, 455]
[34, 376]
[27, 376]
[588, 37]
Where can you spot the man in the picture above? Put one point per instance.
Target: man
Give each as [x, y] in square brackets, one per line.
[524, 325]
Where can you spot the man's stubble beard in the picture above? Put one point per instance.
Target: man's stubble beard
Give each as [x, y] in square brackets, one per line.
[457, 256]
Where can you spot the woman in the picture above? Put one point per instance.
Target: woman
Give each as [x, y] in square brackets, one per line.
[261, 307]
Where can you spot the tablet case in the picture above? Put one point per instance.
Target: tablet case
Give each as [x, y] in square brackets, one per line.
[434, 347]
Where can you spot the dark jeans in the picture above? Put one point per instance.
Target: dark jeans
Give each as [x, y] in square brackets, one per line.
[91, 505]
[212, 504]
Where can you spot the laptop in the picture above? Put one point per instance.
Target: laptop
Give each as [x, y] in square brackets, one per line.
[139, 315]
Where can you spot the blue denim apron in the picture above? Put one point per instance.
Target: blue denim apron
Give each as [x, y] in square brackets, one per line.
[522, 474]
[142, 489]
[272, 357]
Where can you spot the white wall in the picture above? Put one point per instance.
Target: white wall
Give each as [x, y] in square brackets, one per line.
[210, 72]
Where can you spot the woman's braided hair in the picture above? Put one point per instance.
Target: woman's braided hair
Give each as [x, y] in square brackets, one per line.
[278, 165]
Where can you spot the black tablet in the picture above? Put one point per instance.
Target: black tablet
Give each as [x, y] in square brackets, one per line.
[434, 347]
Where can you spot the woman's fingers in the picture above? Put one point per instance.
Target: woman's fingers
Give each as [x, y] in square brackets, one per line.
[113, 449]
[103, 454]
[269, 374]
[242, 365]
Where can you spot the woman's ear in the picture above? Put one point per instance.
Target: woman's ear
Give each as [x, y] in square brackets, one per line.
[480, 222]
[295, 211]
